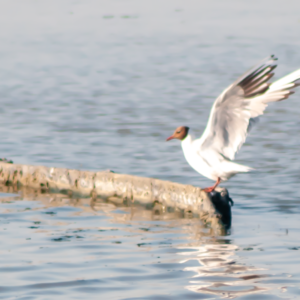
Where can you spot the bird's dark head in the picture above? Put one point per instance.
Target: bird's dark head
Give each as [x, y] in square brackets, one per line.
[180, 133]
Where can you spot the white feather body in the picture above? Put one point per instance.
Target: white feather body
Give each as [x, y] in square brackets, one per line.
[211, 155]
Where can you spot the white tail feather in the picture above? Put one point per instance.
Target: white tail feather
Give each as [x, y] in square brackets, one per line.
[229, 169]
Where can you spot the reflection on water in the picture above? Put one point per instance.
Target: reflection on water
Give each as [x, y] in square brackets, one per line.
[218, 271]
[169, 241]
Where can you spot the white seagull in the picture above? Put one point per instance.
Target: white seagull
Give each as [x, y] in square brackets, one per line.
[231, 117]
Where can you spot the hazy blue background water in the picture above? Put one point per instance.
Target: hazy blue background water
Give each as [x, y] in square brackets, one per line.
[100, 85]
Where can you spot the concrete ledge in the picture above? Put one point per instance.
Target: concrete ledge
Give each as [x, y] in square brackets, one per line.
[212, 208]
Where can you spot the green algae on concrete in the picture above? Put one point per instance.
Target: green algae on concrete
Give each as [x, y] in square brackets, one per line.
[213, 209]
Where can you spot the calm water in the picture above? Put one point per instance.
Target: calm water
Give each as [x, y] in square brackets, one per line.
[99, 85]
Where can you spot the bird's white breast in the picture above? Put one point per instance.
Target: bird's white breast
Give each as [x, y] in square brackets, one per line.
[195, 160]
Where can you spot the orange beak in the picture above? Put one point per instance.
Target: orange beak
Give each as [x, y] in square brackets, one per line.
[170, 138]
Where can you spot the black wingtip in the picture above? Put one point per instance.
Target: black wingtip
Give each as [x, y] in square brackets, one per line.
[274, 57]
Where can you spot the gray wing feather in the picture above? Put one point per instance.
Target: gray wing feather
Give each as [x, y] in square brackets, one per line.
[236, 109]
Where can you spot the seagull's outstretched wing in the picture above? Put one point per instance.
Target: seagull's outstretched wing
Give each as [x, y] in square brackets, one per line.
[234, 110]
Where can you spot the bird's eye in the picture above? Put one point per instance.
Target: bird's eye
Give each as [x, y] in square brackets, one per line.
[178, 131]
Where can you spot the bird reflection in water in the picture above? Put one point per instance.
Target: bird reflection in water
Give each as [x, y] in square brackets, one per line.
[218, 272]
